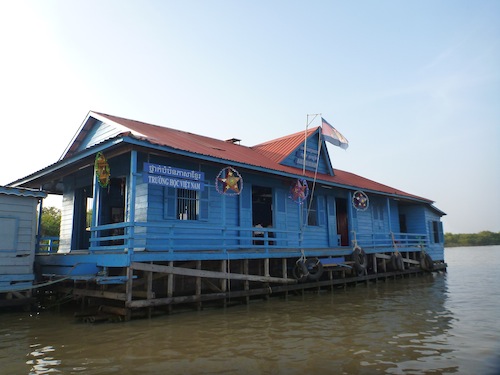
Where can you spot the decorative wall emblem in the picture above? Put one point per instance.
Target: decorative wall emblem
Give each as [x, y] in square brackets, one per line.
[102, 171]
[360, 200]
[229, 182]
[299, 191]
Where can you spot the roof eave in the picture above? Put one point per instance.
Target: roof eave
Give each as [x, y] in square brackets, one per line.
[63, 163]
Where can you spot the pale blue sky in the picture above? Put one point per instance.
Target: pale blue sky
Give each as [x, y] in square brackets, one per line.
[413, 85]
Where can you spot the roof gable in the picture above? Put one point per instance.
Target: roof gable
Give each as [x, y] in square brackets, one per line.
[96, 128]
[289, 150]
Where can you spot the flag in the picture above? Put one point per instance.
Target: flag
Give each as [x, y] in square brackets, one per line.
[332, 135]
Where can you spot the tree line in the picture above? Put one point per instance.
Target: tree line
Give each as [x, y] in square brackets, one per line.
[484, 238]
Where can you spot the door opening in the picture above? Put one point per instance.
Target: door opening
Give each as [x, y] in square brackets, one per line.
[262, 206]
[113, 207]
[342, 221]
[82, 218]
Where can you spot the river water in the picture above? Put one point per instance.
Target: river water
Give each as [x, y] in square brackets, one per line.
[446, 323]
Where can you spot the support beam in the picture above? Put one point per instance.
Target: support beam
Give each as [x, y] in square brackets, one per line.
[170, 286]
[209, 274]
[94, 293]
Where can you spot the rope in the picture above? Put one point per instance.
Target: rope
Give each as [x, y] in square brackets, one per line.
[302, 257]
[228, 278]
[396, 251]
[303, 224]
[355, 242]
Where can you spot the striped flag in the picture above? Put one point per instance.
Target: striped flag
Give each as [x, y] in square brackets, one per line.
[332, 135]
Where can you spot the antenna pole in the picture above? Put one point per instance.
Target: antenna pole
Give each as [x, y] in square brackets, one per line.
[305, 140]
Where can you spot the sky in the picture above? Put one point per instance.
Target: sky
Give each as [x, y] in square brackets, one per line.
[413, 85]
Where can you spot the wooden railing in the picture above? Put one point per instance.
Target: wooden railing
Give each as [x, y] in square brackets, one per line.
[189, 237]
[186, 236]
[396, 240]
[48, 244]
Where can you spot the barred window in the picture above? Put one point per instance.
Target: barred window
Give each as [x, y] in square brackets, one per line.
[188, 204]
[184, 204]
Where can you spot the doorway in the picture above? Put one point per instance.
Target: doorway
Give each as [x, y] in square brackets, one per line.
[262, 206]
[82, 218]
[342, 221]
[112, 210]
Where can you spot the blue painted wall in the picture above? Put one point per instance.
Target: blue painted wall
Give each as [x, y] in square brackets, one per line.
[295, 159]
[227, 220]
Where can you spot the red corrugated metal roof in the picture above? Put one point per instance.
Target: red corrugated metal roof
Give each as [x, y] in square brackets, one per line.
[194, 143]
[266, 155]
[278, 149]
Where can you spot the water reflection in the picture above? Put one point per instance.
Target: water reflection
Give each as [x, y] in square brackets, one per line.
[42, 363]
[410, 326]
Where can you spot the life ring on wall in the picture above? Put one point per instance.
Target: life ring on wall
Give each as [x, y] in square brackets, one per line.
[360, 200]
[310, 269]
[397, 262]
[300, 271]
[426, 262]
[360, 260]
[299, 191]
[314, 268]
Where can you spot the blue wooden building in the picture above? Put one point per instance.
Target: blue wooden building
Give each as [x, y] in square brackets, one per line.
[174, 217]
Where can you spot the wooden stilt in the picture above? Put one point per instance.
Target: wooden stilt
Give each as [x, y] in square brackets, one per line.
[284, 274]
[149, 290]
[246, 283]
[330, 277]
[198, 286]
[128, 291]
[223, 282]
[170, 285]
[266, 274]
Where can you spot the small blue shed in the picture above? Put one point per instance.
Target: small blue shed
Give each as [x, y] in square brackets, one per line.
[19, 209]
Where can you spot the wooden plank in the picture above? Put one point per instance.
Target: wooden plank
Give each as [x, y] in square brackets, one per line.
[96, 293]
[16, 269]
[113, 310]
[9, 288]
[211, 285]
[388, 257]
[209, 274]
[143, 294]
[332, 262]
[17, 277]
[411, 261]
[173, 300]
[268, 290]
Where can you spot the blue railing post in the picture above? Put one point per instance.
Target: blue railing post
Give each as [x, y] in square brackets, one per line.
[131, 202]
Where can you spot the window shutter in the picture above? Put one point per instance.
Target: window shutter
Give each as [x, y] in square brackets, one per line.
[169, 202]
[204, 206]
[431, 232]
[281, 200]
[321, 210]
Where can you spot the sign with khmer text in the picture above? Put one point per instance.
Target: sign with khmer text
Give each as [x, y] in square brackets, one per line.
[176, 178]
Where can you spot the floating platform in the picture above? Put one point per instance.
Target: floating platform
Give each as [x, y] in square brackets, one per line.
[143, 289]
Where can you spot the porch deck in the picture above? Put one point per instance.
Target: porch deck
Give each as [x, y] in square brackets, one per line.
[160, 242]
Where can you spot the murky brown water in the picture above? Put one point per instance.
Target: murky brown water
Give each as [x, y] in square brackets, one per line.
[440, 324]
